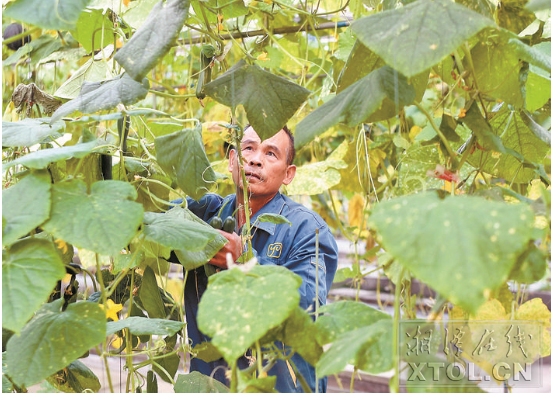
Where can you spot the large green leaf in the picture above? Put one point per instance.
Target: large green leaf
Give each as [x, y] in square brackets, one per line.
[496, 67]
[368, 348]
[150, 295]
[28, 132]
[182, 155]
[538, 55]
[520, 144]
[76, 378]
[269, 101]
[41, 158]
[91, 71]
[144, 325]
[363, 61]
[353, 106]
[54, 339]
[538, 5]
[196, 382]
[343, 316]
[543, 134]
[104, 95]
[299, 332]
[94, 30]
[463, 247]
[415, 37]
[315, 178]
[25, 206]
[104, 220]
[175, 230]
[154, 38]
[48, 14]
[238, 309]
[30, 270]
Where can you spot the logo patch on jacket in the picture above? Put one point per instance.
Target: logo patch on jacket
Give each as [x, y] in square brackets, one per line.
[274, 250]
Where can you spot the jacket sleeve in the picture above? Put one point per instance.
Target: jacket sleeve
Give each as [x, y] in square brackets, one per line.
[302, 261]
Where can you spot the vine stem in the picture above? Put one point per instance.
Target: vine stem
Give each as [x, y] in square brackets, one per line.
[394, 383]
[20, 36]
[104, 302]
[437, 129]
[247, 224]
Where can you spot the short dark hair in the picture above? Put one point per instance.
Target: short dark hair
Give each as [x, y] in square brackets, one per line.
[292, 152]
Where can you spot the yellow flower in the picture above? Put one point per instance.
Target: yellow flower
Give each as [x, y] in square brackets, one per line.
[112, 309]
[61, 244]
[263, 56]
[462, 113]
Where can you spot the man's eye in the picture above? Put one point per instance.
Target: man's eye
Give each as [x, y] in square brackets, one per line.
[247, 148]
[271, 154]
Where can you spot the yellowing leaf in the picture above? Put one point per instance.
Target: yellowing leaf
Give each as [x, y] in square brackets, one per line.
[356, 214]
[490, 310]
[534, 309]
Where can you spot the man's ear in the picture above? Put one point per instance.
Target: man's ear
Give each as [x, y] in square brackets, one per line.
[291, 172]
[231, 159]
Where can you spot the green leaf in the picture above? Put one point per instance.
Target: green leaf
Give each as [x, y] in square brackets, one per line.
[538, 5]
[368, 348]
[207, 352]
[182, 156]
[47, 14]
[363, 61]
[54, 339]
[521, 145]
[170, 364]
[412, 172]
[482, 129]
[497, 72]
[249, 384]
[30, 271]
[233, 309]
[150, 295]
[137, 15]
[300, 333]
[174, 229]
[154, 38]
[41, 158]
[538, 130]
[144, 325]
[120, 115]
[91, 71]
[343, 316]
[413, 38]
[530, 266]
[479, 240]
[315, 178]
[196, 382]
[104, 220]
[76, 378]
[273, 218]
[352, 106]
[269, 101]
[103, 95]
[28, 132]
[538, 90]
[94, 30]
[537, 55]
[25, 206]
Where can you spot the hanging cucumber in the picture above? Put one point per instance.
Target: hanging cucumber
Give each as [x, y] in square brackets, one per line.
[123, 126]
[207, 54]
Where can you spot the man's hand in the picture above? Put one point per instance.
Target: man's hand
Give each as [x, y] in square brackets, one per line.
[233, 246]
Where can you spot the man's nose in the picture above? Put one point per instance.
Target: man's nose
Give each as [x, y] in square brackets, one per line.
[254, 160]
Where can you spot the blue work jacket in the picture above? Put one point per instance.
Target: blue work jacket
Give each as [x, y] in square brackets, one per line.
[293, 247]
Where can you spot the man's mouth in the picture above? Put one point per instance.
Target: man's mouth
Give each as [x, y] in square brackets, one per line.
[251, 175]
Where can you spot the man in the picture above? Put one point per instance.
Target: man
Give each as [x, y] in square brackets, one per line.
[267, 165]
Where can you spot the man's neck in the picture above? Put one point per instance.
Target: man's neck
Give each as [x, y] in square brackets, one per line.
[255, 204]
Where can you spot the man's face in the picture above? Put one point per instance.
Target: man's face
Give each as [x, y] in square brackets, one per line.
[265, 163]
